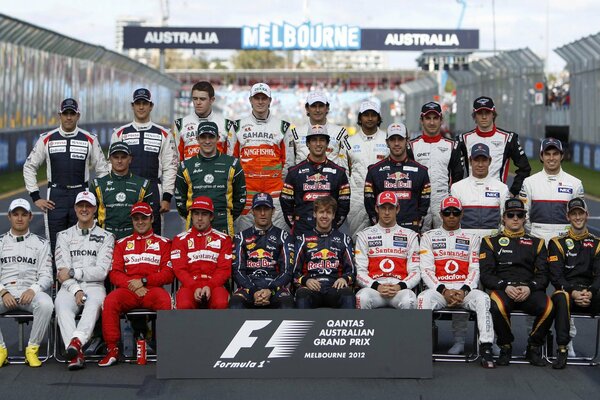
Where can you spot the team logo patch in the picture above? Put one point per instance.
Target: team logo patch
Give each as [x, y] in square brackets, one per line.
[152, 245]
[504, 241]
[570, 244]
[130, 245]
[120, 197]
[190, 243]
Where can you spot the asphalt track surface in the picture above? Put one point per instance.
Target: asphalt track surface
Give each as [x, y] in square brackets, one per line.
[464, 380]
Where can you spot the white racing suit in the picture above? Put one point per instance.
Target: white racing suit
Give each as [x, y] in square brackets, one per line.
[444, 166]
[546, 197]
[387, 256]
[361, 151]
[483, 204]
[89, 253]
[25, 263]
[450, 260]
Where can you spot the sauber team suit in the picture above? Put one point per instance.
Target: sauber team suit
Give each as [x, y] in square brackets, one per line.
[483, 204]
[25, 263]
[202, 259]
[409, 181]
[69, 156]
[574, 265]
[305, 183]
[186, 129]
[260, 146]
[516, 259]
[504, 146]
[297, 144]
[263, 260]
[442, 158]
[324, 257]
[136, 257]
[387, 256]
[546, 197]
[88, 252]
[116, 194]
[449, 260]
[219, 177]
[154, 158]
[360, 151]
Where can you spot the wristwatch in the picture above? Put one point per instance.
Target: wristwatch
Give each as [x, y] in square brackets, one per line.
[144, 281]
[71, 273]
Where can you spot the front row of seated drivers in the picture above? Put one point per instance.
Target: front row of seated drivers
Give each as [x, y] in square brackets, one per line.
[388, 263]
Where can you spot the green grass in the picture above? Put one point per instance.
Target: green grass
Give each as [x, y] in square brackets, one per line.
[14, 180]
[588, 176]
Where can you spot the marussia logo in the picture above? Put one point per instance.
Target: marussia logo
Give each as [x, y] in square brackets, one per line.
[284, 341]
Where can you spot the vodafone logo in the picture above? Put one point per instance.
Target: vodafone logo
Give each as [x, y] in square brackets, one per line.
[386, 265]
[451, 267]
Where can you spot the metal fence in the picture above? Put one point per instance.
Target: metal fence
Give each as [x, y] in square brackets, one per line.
[417, 93]
[583, 64]
[39, 68]
[509, 79]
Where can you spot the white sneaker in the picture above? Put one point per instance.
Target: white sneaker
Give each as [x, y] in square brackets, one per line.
[571, 350]
[457, 348]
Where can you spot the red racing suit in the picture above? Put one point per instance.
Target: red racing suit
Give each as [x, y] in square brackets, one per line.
[136, 257]
[202, 259]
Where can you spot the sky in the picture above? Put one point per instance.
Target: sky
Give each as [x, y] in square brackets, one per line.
[540, 25]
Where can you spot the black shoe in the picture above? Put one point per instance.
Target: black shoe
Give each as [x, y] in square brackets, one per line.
[534, 356]
[561, 358]
[487, 358]
[505, 355]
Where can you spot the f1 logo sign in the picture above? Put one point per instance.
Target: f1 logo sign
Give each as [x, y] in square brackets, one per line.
[284, 341]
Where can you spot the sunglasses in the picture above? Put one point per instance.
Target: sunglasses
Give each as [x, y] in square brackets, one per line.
[447, 213]
[519, 215]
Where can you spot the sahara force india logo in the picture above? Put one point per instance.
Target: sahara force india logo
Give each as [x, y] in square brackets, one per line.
[284, 342]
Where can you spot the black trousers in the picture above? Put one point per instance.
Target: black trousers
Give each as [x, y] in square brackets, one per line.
[563, 307]
[327, 297]
[243, 299]
[537, 304]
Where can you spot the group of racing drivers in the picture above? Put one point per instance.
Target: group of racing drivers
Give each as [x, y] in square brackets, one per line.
[278, 208]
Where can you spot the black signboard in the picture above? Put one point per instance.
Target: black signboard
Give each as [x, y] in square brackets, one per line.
[306, 36]
[323, 343]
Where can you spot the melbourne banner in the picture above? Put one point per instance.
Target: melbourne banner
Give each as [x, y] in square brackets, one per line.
[324, 343]
[306, 36]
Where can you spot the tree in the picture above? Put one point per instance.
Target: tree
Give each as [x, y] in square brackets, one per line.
[257, 59]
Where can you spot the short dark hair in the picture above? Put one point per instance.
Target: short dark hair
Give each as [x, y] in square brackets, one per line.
[204, 86]
[325, 202]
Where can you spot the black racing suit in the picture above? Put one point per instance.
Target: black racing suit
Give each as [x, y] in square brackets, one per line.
[324, 257]
[574, 265]
[262, 260]
[516, 259]
[305, 183]
[409, 180]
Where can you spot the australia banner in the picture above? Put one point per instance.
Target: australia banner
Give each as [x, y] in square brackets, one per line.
[306, 36]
